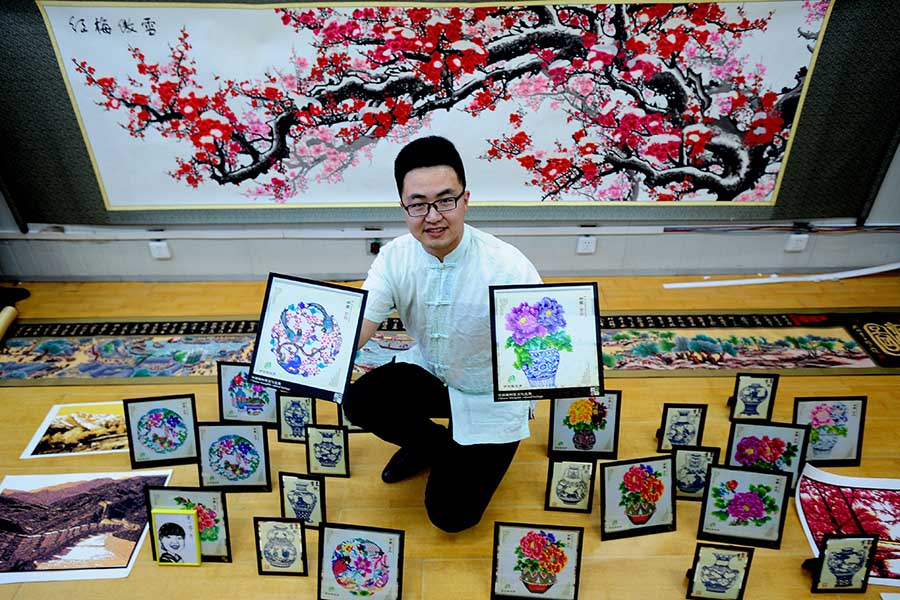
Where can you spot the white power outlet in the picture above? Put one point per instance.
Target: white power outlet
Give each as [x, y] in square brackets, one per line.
[796, 242]
[159, 249]
[587, 244]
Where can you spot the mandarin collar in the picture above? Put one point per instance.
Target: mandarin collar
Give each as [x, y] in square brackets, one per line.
[452, 259]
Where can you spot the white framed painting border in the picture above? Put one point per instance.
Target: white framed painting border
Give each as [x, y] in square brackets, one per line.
[545, 341]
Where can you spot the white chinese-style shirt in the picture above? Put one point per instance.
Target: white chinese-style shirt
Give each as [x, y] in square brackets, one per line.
[445, 308]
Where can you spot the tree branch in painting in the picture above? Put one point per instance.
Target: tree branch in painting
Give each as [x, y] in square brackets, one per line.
[662, 102]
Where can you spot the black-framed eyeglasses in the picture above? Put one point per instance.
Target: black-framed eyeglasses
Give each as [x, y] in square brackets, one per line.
[420, 209]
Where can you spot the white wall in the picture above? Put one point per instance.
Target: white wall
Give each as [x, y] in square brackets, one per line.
[68, 253]
[32, 258]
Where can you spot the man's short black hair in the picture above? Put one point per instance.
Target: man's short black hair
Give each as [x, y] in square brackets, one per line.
[431, 151]
[168, 529]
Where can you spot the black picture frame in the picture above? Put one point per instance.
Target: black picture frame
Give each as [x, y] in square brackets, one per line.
[690, 475]
[142, 452]
[291, 410]
[714, 524]
[231, 373]
[388, 542]
[825, 448]
[509, 582]
[685, 428]
[605, 444]
[715, 574]
[211, 475]
[541, 382]
[570, 486]
[833, 570]
[261, 371]
[273, 554]
[753, 391]
[158, 496]
[640, 513]
[314, 463]
[790, 459]
[343, 421]
[297, 508]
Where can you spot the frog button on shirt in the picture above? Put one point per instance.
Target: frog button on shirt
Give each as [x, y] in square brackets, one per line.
[445, 308]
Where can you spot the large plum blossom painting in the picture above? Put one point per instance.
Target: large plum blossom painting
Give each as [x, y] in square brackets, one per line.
[210, 105]
[829, 503]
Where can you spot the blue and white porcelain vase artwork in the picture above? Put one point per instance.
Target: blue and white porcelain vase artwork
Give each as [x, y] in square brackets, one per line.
[751, 397]
[691, 477]
[296, 415]
[719, 576]
[279, 550]
[302, 500]
[683, 428]
[824, 444]
[541, 373]
[844, 564]
[571, 489]
[327, 452]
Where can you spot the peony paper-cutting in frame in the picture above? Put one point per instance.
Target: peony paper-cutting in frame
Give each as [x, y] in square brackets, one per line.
[212, 517]
[545, 341]
[536, 560]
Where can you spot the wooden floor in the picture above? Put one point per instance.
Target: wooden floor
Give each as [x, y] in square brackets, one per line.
[440, 566]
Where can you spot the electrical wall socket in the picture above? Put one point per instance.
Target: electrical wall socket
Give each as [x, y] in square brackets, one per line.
[796, 242]
[159, 249]
[586, 244]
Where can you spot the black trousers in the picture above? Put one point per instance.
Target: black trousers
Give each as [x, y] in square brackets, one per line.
[396, 402]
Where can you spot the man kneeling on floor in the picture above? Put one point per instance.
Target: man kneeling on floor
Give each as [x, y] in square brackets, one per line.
[436, 278]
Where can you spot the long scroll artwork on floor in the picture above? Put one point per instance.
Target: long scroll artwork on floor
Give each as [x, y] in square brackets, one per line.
[644, 345]
[211, 106]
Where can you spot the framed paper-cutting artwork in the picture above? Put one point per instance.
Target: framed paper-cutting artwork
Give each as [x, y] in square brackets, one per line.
[234, 458]
[682, 425]
[545, 341]
[280, 546]
[754, 397]
[327, 450]
[585, 428]
[691, 468]
[536, 561]
[212, 517]
[637, 497]
[768, 446]
[307, 337]
[746, 506]
[242, 400]
[356, 560]
[175, 536]
[570, 486]
[844, 563]
[161, 430]
[836, 425]
[303, 497]
[294, 414]
[719, 572]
